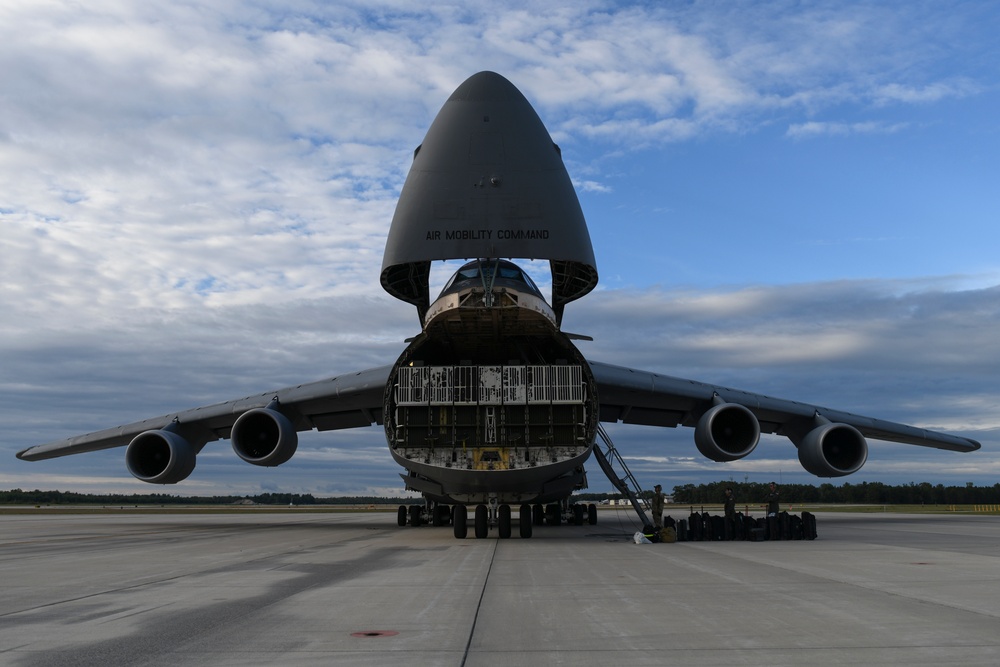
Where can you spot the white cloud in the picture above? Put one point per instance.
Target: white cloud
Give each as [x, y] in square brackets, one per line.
[901, 93]
[592, 186]
[840, 129]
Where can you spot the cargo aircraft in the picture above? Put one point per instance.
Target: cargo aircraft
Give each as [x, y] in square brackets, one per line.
[491, 404]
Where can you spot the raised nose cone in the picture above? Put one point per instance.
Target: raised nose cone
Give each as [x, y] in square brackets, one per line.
[487, 182]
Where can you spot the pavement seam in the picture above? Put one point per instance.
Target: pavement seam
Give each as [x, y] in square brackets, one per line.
[479, 604]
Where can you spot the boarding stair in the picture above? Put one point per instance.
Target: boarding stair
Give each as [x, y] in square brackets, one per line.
[626, 483]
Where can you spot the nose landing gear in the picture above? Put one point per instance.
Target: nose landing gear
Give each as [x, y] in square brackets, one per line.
[499, 516]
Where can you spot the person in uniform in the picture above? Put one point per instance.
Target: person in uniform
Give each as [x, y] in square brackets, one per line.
[732, 529]
[772, 501]
[656, 506]
[729, 505]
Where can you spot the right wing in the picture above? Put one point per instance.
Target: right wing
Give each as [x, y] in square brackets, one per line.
[345, 401]
[642, 397]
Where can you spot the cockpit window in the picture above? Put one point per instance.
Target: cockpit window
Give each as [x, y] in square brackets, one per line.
[484, 272]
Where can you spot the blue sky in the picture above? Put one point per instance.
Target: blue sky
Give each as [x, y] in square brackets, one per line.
[793, 198]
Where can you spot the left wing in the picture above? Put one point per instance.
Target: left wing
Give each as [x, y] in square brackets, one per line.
[728, 421]
[345, 401]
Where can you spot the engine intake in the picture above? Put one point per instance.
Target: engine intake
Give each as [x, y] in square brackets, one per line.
[727, 432]
[833, 450]
[160, 457]
[264, 437]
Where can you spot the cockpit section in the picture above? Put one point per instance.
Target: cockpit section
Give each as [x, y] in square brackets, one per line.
[491, 301]
[489, 274]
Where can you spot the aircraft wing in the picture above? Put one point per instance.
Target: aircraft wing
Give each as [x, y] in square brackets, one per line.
[640, 397]
[345, 401]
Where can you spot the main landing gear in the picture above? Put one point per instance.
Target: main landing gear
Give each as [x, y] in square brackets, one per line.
[499, 516]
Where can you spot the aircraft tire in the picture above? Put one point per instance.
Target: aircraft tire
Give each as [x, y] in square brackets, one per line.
[440, 515]
[415, 515]
[401, 516]
[578, 515]
[524, 527]
[503, 521]
[538, 515]
[482, 522]
[553, 514]
[461, 518]
[592, 514]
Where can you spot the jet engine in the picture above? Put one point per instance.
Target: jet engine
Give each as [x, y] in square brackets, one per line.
[727, 432]
[833, 450]
[264, 437]
[160, 457]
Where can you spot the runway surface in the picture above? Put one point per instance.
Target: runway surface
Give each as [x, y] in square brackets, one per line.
[319, 589]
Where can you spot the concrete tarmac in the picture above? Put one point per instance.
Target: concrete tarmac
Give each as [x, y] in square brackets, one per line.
[306, 588]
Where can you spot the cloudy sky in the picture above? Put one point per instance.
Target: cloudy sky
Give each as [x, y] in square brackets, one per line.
[794, 198]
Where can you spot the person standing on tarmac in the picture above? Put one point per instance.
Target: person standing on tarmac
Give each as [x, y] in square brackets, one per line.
[772, 501]
[730, 505]
[656, 506]
[732, 529]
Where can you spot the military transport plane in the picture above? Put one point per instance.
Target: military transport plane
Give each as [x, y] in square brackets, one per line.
[492, 404]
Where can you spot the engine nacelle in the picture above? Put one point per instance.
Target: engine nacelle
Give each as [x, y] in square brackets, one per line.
[264, 437]
[727, 432]
[833, 450]
[160, 457]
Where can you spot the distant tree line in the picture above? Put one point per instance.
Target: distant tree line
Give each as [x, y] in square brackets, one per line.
[747, 493]
[36, 497]
[866, 493]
